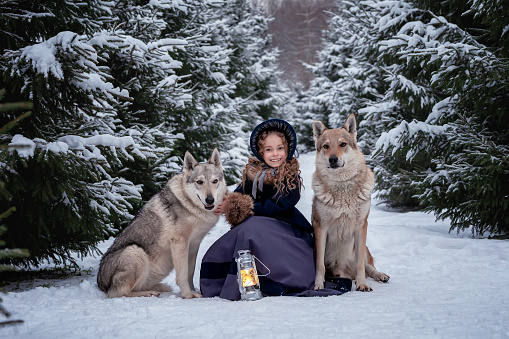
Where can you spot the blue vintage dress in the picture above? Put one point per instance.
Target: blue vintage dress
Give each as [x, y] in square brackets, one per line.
[278, 235]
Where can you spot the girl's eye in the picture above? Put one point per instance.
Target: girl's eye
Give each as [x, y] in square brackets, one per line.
[200, 182]
[343, 144]
[326, 146]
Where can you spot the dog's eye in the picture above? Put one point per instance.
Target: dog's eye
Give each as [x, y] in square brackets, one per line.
[215, 181]
[343, 144]
[325, 146]
[200, 182]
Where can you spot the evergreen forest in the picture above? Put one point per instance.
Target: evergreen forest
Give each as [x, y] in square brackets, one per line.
[100, 99]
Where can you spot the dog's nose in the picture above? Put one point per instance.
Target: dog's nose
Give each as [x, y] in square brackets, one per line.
[209, 200]
[333, 162]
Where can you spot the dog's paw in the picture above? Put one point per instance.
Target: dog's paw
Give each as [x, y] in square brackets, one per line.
[318, 285]
[191, 295]
[382, 277]
[364, 288]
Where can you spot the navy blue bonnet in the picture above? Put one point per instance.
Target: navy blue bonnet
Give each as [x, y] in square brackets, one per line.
[274, 125]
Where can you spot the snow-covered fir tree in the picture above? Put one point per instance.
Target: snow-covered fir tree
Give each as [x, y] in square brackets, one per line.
[121, 90]
[348, 75]
[407, 96]
[65, 181]
[351, 77]
[23, 111]
[253, 71]
[429, 81]
[7, 254]
[146, 63]
[444, 115]
[204, 68]
[230, 70]
[80, 144]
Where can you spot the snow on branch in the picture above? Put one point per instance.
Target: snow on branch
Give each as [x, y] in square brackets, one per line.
[24, 146]
[169, 4]
[113, 195]
[86, 148]
[442, 107]
[167, 44]
[406, 130]
[393, 13]
[50, 57]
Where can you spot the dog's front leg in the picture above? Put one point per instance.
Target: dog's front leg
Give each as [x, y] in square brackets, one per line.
[180, 253]
[360, 255]
[320, 241]
[193, 253]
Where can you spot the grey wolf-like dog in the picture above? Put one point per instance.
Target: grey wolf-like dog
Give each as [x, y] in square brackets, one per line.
[166, 234]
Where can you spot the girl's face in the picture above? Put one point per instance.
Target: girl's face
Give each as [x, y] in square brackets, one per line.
[274, 150]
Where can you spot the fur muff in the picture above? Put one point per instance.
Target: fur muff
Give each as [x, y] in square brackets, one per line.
[239, 208]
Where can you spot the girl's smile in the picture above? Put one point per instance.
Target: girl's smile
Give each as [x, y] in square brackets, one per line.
[274, 151]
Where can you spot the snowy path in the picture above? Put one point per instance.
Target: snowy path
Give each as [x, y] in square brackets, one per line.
[443, 285]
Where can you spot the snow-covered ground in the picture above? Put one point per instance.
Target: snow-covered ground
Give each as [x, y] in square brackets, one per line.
[443, 285]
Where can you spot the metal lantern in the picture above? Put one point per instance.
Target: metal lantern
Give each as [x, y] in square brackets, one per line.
[249, 285]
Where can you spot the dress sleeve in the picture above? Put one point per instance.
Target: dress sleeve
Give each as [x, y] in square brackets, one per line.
[278, 205]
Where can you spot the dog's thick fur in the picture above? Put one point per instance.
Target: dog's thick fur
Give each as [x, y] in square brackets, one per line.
[166, 234]
[342, 184]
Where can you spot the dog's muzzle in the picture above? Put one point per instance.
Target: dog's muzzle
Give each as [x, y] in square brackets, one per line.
[334, 162]
[209, 203]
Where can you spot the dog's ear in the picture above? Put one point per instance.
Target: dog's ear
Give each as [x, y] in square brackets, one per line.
[189, 162]
[318, 129]
[215, 159]
[351, 125]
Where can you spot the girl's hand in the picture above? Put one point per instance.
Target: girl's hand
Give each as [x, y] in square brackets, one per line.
[222, 207]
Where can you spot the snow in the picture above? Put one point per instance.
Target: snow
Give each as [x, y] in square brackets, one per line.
[167, 44]
[88, 146]
[441, 107]
[178, 4]
[46, 59]
[394, 136]
[24, 146]
[443, 285]
[42, 55]
[78, 142]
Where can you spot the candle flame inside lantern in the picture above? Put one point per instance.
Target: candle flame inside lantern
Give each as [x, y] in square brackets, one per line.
[249, 277]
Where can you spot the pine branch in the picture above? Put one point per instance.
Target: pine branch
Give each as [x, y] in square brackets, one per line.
[490, 144]
[16, 106]
[191, 21]
[14, 122]
[6, 214]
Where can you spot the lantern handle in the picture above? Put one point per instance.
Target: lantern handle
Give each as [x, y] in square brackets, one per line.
[268, 269]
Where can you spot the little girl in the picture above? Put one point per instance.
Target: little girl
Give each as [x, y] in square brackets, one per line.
[265, 221]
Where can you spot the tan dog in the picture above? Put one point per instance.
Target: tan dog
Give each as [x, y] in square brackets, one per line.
[342, 184]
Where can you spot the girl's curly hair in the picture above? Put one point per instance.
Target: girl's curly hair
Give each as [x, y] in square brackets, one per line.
[284, 180]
